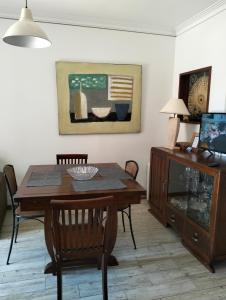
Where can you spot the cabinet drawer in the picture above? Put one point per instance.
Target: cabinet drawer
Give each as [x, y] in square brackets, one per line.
[196, 239]
[175, 219]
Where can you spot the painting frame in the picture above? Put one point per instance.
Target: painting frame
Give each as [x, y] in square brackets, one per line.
[66, 126]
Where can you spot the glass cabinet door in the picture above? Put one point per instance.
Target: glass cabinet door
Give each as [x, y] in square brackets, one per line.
[190, 191]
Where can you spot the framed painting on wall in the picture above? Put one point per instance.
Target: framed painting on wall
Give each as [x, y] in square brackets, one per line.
[194, 89]
[98, 97]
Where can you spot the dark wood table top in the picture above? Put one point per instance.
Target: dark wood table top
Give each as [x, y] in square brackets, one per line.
[39, 197]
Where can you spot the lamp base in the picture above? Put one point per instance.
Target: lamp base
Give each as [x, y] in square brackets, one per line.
[173, 130]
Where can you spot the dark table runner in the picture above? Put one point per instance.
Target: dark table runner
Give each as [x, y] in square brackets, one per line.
[102, 184]
[65, 167]
[44, 179]
[113, 172]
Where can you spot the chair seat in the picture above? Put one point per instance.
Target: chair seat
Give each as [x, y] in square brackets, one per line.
[29, 214]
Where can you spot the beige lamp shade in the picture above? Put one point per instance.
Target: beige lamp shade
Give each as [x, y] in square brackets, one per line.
[26, 33]
[175, 106]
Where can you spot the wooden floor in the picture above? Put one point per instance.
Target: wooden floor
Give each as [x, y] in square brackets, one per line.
[161, 268]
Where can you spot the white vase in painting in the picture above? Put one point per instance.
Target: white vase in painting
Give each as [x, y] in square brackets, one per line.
[80, 106]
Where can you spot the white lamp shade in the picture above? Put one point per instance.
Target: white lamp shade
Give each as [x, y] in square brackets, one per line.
[175, 106]
[26, 33]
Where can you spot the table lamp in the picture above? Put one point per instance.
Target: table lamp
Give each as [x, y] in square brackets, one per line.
[175, 107]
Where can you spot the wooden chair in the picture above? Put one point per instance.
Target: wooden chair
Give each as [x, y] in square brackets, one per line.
[81, 229]
[18, 215]
[132, 168]
[71, 159]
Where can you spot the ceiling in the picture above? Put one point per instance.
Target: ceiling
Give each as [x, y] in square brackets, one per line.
[151, 16]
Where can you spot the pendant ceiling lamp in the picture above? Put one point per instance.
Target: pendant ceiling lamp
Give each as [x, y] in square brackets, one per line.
[26, 33]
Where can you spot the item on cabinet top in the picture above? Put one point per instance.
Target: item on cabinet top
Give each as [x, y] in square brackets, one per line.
[192, 145]
[175, 107]
[183, 146]
[195, 142]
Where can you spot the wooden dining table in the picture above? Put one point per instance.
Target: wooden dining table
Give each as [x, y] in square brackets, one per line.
[38, 198]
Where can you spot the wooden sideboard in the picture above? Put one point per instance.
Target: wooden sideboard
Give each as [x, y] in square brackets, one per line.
[189, 195]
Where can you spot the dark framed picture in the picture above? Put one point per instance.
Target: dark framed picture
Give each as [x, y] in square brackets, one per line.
[194, 89]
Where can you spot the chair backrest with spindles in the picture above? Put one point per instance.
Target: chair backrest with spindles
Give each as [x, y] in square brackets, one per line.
[11, 182]
[81, 228]
[71, 159]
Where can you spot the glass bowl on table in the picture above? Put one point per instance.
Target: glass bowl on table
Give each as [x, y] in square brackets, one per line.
[82, 172]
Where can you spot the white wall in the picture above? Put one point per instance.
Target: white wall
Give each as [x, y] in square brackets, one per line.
[28, 99]
[202, 46]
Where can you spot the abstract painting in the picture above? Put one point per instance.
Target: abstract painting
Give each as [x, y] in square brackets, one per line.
[98, 98]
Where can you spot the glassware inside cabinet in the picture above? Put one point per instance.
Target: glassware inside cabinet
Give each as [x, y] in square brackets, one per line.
[178, 185]
[190, 191]
[199, 201]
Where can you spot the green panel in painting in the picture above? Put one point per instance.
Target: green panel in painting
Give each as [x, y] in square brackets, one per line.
[87, 81]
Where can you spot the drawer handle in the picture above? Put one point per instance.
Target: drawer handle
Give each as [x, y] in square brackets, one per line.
[172, 218]
[195, 237]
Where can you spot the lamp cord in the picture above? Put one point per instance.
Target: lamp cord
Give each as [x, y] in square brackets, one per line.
[26, 4]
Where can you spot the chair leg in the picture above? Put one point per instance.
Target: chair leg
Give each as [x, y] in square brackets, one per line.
[131, 227]
[12, 238]
[123, 222]
[17, 227]
[104, 276]
[99, 262]
[59, 283]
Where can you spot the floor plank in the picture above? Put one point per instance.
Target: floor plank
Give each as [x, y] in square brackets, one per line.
[161, 268]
